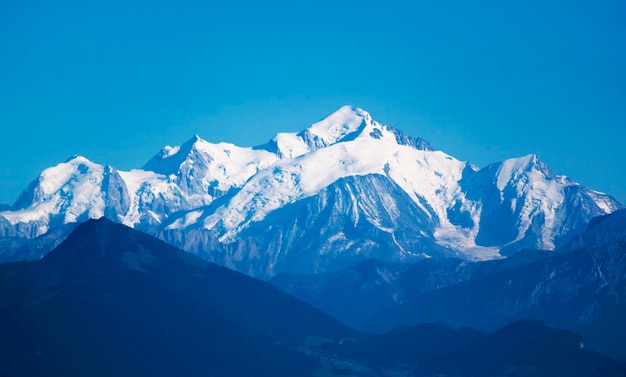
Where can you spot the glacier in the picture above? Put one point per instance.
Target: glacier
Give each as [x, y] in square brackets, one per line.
[344, 189]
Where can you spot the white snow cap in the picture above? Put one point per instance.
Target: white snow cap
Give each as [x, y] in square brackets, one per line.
[336, 126]
[226, 188]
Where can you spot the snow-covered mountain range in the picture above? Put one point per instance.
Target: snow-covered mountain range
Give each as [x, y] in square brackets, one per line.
[344, 189]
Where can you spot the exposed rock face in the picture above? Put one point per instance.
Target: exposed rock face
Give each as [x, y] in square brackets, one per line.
[345, 189]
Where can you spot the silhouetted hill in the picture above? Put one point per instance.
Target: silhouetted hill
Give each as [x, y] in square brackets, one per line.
[524, 348]
[408, 345]
[110, 300]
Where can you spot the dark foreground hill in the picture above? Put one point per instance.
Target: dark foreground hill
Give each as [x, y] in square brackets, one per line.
[523, 348]
[111, 301]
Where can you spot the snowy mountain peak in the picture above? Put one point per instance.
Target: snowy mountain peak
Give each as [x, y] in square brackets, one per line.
[348, 123]
[519, 163]
[345, 115]
[77, 159]
[346, 187]
[70, 191]
[527, 163]
[335, 127]
[169, 159]
[204, 171]
[512, 170]
[53, 179]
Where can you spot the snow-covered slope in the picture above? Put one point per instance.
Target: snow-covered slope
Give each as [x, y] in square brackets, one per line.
[67, 193]
[202, 169]
[525, 205]
[345, 188]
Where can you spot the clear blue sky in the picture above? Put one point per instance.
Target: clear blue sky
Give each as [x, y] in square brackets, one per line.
[483, 81]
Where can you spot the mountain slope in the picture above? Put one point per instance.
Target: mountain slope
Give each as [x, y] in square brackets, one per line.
[582, 290]
[369, 190]
[111, 300]
[360, 291]
[345, 222]
[526, 205]
[523, 348]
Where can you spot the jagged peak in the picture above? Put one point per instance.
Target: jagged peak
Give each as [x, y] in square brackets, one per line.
[345, 124]
[532, 162]
[411, 141]
[109, 169]
[191, 144]
[77, 159]
[334, 127]
[511, 169]
[523, 163]
[196, 152]
[174, 155]
[199, 144]
[349, 110]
